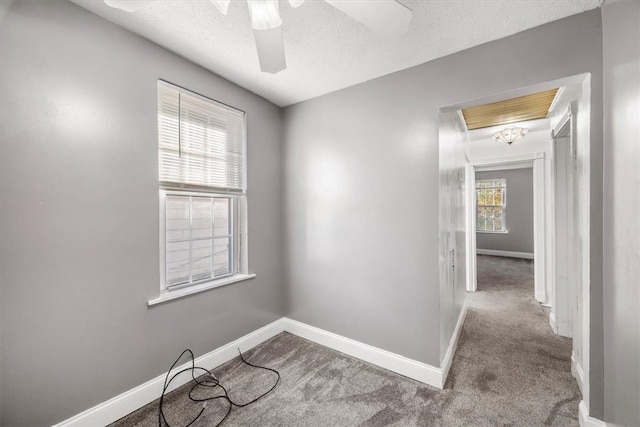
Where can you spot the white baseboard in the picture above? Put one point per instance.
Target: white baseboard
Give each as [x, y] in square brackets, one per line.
[127, 402]
[576, 371]
[564, 328]
[552, 322]
[585, 420]
[509, 254]
[453, 344]
[402, 365]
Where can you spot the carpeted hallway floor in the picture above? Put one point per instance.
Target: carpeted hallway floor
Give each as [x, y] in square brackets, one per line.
[509, 370]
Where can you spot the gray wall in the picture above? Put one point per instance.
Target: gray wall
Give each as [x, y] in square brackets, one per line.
[79, 225]
[519, 212]
[79, 251]
[621, 33]
[362, 169]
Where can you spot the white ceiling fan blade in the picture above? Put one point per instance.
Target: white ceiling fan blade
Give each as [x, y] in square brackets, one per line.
[265, 14]
[128, 5]
[270, 48]
[386, 17]
[221, 5]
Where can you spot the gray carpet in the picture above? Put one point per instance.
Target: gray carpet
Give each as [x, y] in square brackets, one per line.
[509, 370]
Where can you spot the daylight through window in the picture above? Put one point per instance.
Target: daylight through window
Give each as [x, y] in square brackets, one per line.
[202, 174]
[491, 205]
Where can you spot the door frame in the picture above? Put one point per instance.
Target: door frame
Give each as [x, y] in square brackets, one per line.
[540, 212]
[577, 94]
[562, 311]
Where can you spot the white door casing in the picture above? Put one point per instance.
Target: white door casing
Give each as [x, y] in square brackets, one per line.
[535, 160]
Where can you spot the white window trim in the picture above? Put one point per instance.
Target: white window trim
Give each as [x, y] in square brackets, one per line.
[239, 246]
[239, 220]
[194, 289]
[504, 208]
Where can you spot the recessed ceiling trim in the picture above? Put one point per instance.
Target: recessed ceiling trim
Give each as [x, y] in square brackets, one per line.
[527, 107]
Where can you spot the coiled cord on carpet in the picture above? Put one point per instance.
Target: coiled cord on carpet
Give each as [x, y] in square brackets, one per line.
[210, 381]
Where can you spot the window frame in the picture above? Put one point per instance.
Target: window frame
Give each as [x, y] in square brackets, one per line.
[234, 238]
[504, 230]
[238, 249]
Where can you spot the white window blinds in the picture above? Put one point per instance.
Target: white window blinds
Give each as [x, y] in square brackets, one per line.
[201, 143]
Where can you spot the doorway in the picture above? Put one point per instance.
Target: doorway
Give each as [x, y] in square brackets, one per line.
[531, 160]
[561, 216]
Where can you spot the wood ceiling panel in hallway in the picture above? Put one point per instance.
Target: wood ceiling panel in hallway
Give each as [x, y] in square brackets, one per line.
[528, 107]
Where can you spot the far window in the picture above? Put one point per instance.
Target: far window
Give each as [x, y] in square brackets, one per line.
[202, 177]
[491, 205]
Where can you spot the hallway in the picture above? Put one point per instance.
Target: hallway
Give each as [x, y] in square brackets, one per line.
[518, 369]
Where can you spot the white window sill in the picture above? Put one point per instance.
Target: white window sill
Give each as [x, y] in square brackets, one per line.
[190, 290]
[492, 232]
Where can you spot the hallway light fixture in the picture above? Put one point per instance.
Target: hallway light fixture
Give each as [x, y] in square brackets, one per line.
[510, 135]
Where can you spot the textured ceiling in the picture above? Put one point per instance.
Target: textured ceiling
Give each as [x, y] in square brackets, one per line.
[326, 50]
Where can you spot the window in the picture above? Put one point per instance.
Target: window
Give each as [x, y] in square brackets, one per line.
[202, 176]
[198, 238]
[491, 205]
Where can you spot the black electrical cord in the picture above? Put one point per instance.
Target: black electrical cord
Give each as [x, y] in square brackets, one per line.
[210, 381]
